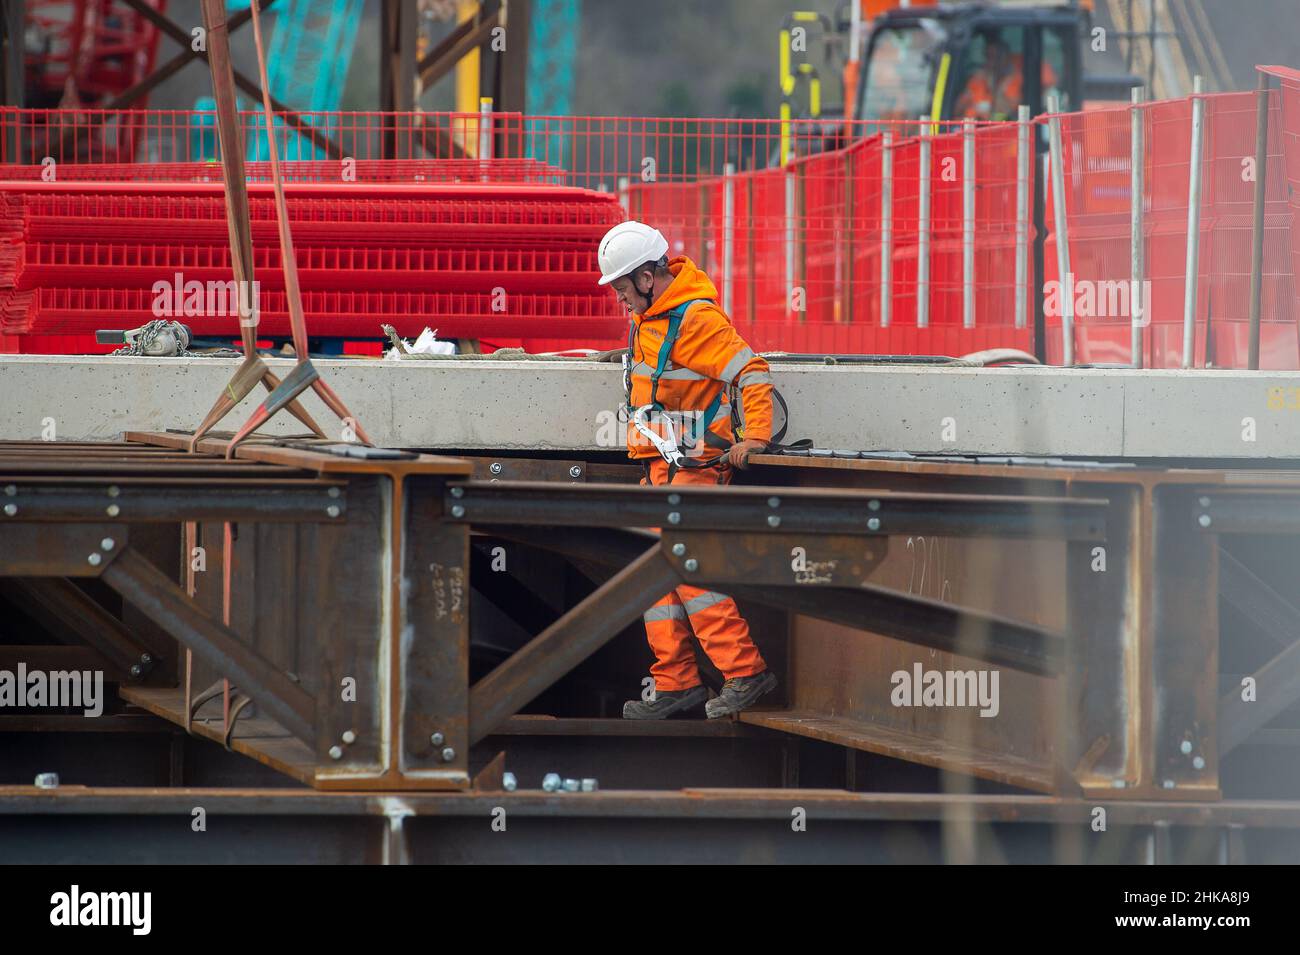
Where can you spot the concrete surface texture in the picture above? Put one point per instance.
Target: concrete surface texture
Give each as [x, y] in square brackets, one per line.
[570, 407]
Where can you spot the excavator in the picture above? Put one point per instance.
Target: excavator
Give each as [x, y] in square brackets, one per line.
[980, 60]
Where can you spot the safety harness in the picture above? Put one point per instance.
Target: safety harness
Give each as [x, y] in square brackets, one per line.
[668, 446]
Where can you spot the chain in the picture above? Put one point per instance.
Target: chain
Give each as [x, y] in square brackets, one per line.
[149, 333]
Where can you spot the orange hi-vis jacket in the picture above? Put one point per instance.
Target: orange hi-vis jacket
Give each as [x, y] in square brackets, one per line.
[708, 356]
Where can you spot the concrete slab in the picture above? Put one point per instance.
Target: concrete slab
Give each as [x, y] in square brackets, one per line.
[519, 405]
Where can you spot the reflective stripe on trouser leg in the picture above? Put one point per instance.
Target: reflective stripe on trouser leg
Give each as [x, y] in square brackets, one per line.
[715, 618]
[722, 632]
[669, 636]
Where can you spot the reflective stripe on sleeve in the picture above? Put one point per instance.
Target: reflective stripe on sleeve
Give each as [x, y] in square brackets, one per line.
[739, 361]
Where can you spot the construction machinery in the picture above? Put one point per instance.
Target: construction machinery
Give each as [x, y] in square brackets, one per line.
[980, 60]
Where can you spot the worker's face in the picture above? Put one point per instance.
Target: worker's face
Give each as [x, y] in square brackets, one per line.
[633, 289]
[996, 57]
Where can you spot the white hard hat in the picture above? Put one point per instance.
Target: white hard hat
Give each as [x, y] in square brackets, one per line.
[626, 246]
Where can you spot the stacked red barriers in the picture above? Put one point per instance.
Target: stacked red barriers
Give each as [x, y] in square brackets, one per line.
[489, 261]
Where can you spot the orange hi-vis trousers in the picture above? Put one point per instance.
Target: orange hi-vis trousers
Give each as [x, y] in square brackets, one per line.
[713, 617]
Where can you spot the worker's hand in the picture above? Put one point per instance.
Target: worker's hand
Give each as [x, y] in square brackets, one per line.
[738, 454]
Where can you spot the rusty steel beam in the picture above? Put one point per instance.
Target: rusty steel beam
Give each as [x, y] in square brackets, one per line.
[609, 546]
[31, 549]
[1277, 687]
[570, 640]
[439, 61]
[69, 614]
[211, 499]
[1275, 616]
[813, 511]
[930, 623]
[139, 581]
[1242, 512]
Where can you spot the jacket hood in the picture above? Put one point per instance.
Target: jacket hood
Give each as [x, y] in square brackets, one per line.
[689, 283]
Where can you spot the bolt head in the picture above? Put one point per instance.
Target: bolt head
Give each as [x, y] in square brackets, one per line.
[108, 543]
[575, 472]
[1119, 784]
[773, 502]
[349, 737]
[332, 510]
[1186, 747]
[47, 780]
[334, 492]
[11, 489]
[1198, 762]
[873, 524]
[448, 754]
[146, 659]
[495, 467]
[508, 782]
[136, 671]
[674, 499]
[551, 782]
[691, 565]
[1168, 784]
[112, 510]
[773, 520]
[1203, 501]
[436, 739]
[11, 509]
[572, 786]
[458, 492]
[679, 549]
[114, 490]
[336, 752]
[1204, 520]
[873, 505]
[590, 785]
[457, 511]
[674, 517]
[94, 560]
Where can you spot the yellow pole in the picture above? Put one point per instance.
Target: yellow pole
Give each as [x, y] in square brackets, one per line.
[467, 93]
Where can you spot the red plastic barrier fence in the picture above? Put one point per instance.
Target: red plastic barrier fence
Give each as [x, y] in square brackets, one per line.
[1096, 147]
[823, 252]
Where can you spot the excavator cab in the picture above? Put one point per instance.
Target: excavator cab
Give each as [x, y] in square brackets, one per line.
[971, 60]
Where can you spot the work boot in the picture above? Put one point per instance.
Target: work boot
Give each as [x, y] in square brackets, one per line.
[665, 704]
[740, 693]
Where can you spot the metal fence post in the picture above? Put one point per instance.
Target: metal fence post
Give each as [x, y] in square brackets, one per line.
[1257, 232]
[1023, 157]
[923, 233]
[1190, 272]
[789, 239]
[1137, 242]
[886, 226]
[485, 127]
[968, 223]
[728, 231]
[1066, 280]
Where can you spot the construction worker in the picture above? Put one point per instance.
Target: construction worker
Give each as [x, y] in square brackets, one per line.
[996, 89]
[684, 356]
